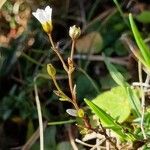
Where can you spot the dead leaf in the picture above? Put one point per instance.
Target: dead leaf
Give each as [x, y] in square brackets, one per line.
[90, 43]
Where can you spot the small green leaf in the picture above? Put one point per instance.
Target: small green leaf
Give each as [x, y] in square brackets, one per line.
[115, 74]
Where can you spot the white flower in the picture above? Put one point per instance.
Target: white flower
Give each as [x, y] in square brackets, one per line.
[74, 32]
[45, 18]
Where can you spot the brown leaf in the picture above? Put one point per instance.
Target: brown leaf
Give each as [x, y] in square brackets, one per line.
[90, 43]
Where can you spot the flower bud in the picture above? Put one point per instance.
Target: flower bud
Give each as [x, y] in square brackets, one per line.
[51, 70]
[74, 32]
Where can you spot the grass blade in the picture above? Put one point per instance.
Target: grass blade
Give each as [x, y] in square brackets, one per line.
[142, 46]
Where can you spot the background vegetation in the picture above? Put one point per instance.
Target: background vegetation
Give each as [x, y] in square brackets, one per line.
[25, 51]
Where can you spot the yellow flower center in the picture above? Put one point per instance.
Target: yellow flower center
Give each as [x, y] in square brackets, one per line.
[47, 26]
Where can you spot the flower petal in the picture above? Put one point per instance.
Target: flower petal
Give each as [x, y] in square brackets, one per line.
[48, 13]
[72, 112]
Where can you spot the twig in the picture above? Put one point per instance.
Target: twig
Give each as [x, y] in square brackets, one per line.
[107, 143]
[39, 115]
[145, 85]
[143, 99]
[108, 138]
[73, 144]
[83, 143]
[98, 144]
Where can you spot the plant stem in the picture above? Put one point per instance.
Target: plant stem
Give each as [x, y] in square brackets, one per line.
[70, 80]
[143, 99]
[72, 49]
[39, 115]
[61, 122]
[57, 52]
[59, 89]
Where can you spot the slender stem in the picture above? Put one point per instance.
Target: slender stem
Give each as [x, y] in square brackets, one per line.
[72, 49]
[61, 122]
[59, 89]
[143, 98]
[70, 80]
[57, 52]
[71, 88]
[39, 116]
[57, 86]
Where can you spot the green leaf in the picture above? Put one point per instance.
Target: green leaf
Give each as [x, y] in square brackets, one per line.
[119, 79]
[144, 49]
[109, 122]
[115, 74]
[114, 102]
[83, 82]
[144, 16]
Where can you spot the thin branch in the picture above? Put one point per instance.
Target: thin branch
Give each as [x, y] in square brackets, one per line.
[39, 115]
[83, 143]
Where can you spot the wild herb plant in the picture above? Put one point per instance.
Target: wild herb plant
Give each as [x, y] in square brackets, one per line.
[109, 120]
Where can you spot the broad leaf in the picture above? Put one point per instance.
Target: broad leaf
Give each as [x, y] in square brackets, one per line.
[120, 80]
[114, 102]
[109, 122]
